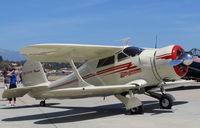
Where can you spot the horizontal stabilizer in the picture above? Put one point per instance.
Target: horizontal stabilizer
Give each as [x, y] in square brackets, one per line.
[19, 92]
[16, 92]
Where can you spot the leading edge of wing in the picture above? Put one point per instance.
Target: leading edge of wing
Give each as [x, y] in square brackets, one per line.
[66, 52]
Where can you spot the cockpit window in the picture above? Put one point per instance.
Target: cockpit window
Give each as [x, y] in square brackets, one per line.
[106, 61]
[132, 51]
[121, 56]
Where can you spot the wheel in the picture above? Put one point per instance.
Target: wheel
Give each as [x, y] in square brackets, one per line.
[137, 110]
[166, 101]
[42, 103]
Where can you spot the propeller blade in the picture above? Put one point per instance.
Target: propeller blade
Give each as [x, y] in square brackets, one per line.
[187, 59]
[175, 62]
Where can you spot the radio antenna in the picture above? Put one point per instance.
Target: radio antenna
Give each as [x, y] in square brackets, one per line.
[156, 42]
[126, 40]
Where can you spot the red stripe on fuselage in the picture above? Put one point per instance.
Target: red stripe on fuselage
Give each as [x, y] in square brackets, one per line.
[164, 56]
[124, 67]
[113, 68]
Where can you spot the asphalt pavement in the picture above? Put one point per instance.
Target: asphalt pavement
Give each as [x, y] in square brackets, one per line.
[100, 113]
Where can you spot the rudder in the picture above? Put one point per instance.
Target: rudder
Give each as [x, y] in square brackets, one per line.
[33, 74]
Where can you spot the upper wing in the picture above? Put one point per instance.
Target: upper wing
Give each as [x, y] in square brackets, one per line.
[94, 90]
[66, 52]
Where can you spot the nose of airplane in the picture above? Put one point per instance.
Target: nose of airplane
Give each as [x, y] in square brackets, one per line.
[172, 62]
[181, 57]
[180, 60]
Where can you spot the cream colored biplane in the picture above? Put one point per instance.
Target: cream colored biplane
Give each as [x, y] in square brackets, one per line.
[106, 70]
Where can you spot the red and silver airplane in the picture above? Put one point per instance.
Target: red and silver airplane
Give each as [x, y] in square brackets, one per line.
[107, 70]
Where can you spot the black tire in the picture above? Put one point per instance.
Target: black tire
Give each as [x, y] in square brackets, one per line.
[42, 103]
[166, 101]
[137, 110]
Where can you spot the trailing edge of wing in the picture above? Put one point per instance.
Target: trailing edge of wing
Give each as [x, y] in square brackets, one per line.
[66, 52]
[88, 91]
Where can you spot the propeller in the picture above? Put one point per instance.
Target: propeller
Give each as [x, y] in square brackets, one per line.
[187, 59]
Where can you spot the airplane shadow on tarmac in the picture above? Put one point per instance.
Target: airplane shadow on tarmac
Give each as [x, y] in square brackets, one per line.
[75, 114]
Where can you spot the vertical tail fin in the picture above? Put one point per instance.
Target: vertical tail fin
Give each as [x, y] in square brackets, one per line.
[33, 74]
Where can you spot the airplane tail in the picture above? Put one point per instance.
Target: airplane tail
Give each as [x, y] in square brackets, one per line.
[34, 80]
[33, 74]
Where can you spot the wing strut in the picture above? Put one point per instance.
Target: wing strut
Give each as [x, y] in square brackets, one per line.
[82, 82]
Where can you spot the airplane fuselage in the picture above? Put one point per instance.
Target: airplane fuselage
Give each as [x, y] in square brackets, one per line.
[149, 64]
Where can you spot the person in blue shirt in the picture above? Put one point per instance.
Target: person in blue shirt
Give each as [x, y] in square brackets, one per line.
[13, 84]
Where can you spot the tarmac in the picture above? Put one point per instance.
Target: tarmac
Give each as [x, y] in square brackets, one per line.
[100, 113]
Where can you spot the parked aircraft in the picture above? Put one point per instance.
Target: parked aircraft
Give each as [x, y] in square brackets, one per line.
[122, 71]
[193, 71]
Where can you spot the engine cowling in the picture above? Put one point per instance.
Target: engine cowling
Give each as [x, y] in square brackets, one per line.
[162, 58]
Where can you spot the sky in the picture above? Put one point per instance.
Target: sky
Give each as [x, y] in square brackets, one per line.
[99, 22]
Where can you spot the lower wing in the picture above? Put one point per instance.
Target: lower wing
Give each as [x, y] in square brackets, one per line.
[42, 92]
[89, 91]
[178, 83]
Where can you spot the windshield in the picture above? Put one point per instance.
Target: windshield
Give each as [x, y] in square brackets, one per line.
[132, 51]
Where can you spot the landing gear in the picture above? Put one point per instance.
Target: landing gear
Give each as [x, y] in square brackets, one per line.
[42, 103]
[133, 104]
[165, 100]
[137, 110]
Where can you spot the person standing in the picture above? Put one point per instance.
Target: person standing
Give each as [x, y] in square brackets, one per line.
[6, 78]
[13, 84]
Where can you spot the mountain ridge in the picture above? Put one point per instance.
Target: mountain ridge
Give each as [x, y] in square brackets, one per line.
[11, 55]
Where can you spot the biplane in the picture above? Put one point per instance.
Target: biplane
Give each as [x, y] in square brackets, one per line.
[122, 71]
